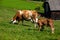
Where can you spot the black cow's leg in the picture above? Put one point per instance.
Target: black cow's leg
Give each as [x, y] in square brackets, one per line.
[22, 21]
[42, 28]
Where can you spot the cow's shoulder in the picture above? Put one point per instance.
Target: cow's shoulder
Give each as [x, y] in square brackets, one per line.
[20, 12]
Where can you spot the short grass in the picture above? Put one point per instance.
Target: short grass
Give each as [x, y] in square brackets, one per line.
[18, 4]
[20, 32]
[21, 5]
[23, 32]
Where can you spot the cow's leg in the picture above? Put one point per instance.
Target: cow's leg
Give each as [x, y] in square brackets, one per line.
[31, 20]
[19, 21]
[51, 25]
[40, 26]
[52, 28]
[22, 21]
[36, 22]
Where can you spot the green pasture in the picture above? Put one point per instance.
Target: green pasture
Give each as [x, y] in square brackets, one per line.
[20, 4]
[23, 32]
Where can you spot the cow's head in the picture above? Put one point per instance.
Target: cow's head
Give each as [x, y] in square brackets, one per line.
[13, 21]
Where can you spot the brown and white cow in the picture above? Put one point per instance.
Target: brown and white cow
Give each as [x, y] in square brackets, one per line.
[45, 21]
[25, 15]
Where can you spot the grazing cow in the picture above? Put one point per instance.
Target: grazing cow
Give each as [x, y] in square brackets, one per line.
[25, 15]
[45, 21]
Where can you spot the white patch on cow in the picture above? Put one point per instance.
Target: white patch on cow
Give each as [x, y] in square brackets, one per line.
[21, 12]
[14, 21]
[36, 20]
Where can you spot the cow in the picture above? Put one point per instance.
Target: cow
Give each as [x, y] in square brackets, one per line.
[22, 15]
[45, 21]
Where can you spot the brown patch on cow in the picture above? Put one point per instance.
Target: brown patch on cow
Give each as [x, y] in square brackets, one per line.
[26, 14]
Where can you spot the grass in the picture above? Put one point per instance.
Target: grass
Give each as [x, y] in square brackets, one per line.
[21, 5]
[20, 32]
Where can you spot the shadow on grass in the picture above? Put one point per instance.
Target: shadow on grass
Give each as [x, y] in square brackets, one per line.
[21, 24]
[33, 29]
[26, 25]
[53, 39]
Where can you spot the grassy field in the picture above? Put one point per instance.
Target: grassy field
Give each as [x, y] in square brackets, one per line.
[18, 4]
[20, 32]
